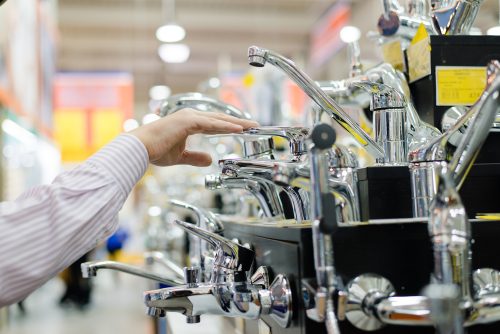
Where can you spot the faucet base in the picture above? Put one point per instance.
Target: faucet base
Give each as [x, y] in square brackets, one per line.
[361, 290]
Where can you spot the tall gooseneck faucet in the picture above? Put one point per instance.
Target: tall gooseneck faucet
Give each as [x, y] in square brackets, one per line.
[258, 57]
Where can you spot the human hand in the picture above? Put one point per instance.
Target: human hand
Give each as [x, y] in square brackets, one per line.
[165, 139]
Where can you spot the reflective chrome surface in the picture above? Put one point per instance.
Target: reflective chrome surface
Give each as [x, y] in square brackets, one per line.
[258, 148]
[444, 305]
[462, 142]
[454, 17]
[228, 255]
[296, 137]
[258, 57]
[389, 122]
[200, 253]
[160, 258]
[200, 102]
[324, 225]
[424, 184]
[360, 290]
[265, 192]
[89, 269]
[486, 282]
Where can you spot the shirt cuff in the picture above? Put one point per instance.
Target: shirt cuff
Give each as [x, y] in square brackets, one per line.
[126, 160]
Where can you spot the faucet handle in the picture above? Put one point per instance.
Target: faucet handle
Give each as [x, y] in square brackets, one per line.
[228, 254]
[383, 96]
[206, 218]
[296, 136]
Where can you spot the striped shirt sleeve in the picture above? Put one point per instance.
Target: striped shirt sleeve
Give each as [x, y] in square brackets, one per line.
[50, 226]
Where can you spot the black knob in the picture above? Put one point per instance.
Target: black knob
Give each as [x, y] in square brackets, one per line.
[323, 136]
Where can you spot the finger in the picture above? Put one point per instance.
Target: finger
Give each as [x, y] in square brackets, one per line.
[198, 159]
[245, 123]
[214, 126]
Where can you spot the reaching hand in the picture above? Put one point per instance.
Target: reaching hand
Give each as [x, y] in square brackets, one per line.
[165, 139]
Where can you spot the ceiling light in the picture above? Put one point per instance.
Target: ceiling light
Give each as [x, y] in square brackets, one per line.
[214, 82]
[160, 92]
[174, 53]
[170, 33]
[350, 34]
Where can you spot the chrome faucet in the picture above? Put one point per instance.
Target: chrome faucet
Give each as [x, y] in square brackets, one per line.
[159, 257]
[371, 299]
[324, 225]
[265, 192]
[89, 269]
[454, 17]
[458, 146]
[342, 181]
[259, 57]
[230, 293]
[261, 171]
[389, 122]
[419, 132]
[200, 253]
[200, 102]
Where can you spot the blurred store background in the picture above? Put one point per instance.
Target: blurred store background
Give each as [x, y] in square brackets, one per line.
[74, 74]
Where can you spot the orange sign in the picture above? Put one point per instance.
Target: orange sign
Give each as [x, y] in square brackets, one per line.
[89, 111]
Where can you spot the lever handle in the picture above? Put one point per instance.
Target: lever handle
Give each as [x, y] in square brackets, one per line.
[296, 136]
[206, 218]
[229, 255]
[383, 96]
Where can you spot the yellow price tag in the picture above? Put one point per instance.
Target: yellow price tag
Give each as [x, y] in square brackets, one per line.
[392, 53]
[459, 85]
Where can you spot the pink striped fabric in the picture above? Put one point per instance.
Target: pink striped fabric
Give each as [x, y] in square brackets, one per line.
[49, 227]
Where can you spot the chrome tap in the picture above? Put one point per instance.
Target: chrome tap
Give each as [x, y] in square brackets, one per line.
[324, 226]
[419, 132]
[258, 57]
[371, 301]
[200, 254]
[458, 146]
[454, 17]
[342, 181]
[396, 20]
[89, 269]
[159, 257]
[389, 122]
[261, 171]
[229, 293]
[296, 137]
[444, 306]
[200, 102]
[265, 192]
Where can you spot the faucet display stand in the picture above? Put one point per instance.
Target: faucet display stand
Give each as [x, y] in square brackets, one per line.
[400, 252]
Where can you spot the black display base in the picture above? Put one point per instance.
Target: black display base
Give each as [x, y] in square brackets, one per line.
[400, 252]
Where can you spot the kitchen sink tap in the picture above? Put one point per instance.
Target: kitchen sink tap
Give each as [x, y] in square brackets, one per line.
[89, 269]
[259, 57]
[229, 293]
[200, 253]
[458, 147]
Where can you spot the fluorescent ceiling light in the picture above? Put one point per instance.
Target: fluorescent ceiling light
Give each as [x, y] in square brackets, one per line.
[174, 53]
[160, 92]
[15, 130]
[170, 33]
[494, 31]
[350, 34]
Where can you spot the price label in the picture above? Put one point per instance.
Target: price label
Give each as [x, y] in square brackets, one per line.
[459, 85]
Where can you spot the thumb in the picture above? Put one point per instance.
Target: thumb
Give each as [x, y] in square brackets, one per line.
[198, 159]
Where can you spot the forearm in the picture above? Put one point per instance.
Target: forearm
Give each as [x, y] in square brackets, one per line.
[49, 227]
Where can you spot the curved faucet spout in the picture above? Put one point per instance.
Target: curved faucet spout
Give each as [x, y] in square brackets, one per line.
[258, 57]
[200, 102]
[90, 269]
